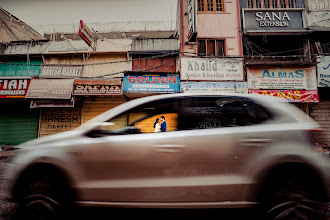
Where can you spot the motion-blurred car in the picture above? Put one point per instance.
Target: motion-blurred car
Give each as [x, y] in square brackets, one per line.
[219, 151]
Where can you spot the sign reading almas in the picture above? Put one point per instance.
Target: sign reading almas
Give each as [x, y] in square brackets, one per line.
[273, 21]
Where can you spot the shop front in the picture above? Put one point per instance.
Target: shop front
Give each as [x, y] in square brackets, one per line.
[18, 123]
[212, 75]
[320, 111]
[98, 96]
[59, 112]
[295, 84]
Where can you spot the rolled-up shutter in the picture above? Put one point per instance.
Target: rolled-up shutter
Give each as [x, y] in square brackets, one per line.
[94, 106]
[320, 112]
[18, 123]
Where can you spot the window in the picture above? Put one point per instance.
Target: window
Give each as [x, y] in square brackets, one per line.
[258, 3]
[213, 48]
[272, 3]
[210, 5]
[217, 112]
[141, 119]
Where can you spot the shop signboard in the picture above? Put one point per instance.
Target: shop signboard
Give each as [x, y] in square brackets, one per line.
[61, 71]
[303, 96]
[40, 103]
[214, 87]
[20, 67]
[272, 21]
[212, 69]
[14, 88]
[151, 83]
[50, 89]
[97, 87]
[288, 78]
[323, 71]
[85, 33]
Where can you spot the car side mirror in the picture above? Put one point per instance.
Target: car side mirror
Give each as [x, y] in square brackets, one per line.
[95, 133]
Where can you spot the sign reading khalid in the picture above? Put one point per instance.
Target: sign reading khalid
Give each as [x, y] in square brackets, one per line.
[97, 87]
[211, 69]
[291, 78]
[14, 88]
[290, 95]
[151, 83]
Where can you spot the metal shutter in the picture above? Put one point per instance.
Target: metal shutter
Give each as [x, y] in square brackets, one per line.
[18, 123]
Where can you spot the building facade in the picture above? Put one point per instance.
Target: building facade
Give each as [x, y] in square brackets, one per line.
[317, 19]
[211, 46]
[57, 84]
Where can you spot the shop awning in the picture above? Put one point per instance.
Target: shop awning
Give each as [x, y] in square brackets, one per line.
[50, 89]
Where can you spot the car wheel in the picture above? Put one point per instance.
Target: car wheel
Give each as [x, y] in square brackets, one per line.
[44, 197]
[292, 197]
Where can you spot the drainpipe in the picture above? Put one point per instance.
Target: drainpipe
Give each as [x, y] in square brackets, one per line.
[182, 29]
[239, 28]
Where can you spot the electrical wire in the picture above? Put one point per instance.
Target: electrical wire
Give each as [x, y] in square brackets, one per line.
[147, 70]
[104, 63]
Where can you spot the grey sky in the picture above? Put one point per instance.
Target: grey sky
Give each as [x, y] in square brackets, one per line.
[42, 12]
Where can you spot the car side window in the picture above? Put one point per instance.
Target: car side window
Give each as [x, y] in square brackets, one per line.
[217, 112]
[142, 119]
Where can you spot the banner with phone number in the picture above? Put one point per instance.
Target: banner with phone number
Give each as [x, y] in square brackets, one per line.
[303, 96]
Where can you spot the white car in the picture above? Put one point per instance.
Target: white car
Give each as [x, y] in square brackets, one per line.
[218, 151]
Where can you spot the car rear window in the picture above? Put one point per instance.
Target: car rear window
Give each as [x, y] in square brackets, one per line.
[216, 112]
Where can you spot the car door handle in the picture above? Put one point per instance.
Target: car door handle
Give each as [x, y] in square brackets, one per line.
[255, 141]
[168, 148]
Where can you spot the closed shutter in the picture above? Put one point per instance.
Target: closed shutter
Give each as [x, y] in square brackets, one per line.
[55, 120]
[18, 123]
[320, 112]
[95, 106]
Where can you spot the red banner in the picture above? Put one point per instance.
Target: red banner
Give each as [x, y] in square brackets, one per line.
[14, 88]
[291, 95]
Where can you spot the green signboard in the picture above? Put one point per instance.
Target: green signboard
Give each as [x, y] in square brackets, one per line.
[20, 67]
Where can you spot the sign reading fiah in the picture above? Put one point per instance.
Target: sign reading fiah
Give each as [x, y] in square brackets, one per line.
[14, 88]
[85, 33]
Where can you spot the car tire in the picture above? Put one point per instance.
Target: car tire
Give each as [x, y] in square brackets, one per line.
[292, 196]
[44, 196]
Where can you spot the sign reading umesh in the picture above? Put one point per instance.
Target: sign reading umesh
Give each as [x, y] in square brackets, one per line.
[211, 69]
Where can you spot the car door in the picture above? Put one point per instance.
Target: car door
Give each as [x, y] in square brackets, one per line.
[123, 160]
[190, 162]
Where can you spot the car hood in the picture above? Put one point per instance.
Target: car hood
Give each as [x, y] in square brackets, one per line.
[50, 138]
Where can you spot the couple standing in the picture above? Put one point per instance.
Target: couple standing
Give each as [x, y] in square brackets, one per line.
[160, 125]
